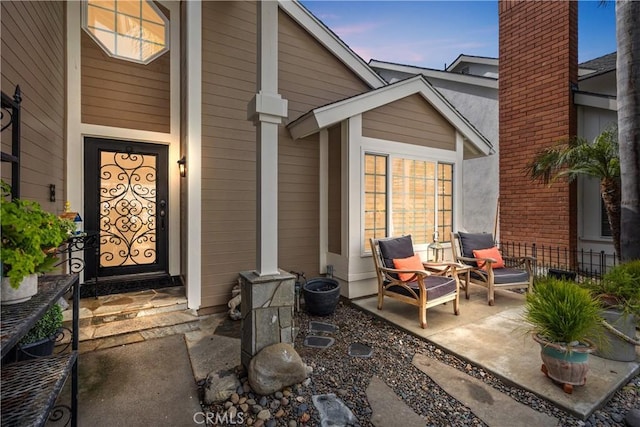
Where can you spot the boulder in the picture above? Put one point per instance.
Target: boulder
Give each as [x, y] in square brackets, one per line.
[275, 367]
[220, 386]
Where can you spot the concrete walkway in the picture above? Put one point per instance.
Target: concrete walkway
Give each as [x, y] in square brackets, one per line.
[147, 381]
[495, 339]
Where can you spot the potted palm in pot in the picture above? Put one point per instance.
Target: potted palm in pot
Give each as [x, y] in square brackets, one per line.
[565, 320]
[29, 238]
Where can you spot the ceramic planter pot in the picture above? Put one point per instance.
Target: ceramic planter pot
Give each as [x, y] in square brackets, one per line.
[321, 295]
[28, 288]
[618, 348]
[566, 367]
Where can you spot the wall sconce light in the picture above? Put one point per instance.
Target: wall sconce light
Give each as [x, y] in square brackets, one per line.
[182, 165]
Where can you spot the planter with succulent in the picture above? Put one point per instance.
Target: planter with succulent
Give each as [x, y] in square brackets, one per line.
[565, 320]
[30, 236]
[619, 291]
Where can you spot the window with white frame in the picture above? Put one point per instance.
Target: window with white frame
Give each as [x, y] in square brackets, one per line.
[133, 30]
[420, 193]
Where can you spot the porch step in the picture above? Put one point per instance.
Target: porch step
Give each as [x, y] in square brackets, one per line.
[114, 320]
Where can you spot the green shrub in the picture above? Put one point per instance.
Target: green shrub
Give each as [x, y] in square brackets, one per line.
[619, 288]
[29, 235]
[563, 312]
[46, 326]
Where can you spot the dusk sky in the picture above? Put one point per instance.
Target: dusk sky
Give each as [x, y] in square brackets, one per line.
[432, 33]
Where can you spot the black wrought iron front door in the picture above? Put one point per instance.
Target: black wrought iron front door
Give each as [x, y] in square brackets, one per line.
[126, 196]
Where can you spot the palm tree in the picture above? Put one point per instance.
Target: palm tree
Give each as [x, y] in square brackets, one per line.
[628, 99]
[578, 157]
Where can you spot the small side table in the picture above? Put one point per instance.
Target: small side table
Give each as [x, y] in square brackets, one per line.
[462, 271]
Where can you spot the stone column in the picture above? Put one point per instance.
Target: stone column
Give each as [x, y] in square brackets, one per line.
[267, 312]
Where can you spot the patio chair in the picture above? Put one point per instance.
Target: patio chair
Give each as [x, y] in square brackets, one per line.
[401, 275]
[489, 268]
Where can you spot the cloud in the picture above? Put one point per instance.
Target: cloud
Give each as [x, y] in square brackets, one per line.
[355, 28]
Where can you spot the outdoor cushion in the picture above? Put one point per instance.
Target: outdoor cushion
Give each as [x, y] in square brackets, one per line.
[437, 286]
[504, 276]
[395, 247]
[492, 252]
[474, 241]
[411, 263]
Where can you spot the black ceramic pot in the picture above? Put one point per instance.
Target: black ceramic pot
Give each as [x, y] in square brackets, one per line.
[321, 296]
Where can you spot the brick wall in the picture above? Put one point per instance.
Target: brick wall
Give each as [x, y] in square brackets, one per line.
[538, 65]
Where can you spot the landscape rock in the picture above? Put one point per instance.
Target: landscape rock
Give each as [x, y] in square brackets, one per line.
[275, 367]
[333, 412]
[633, 418]
[220, 386]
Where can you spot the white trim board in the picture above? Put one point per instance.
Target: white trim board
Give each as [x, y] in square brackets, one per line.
[328, 115]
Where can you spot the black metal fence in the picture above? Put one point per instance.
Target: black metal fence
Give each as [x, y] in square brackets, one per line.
[584, 264]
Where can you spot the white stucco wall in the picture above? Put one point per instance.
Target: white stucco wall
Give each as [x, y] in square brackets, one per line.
[480, 106]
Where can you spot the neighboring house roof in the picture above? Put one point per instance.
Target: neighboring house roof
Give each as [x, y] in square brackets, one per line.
[328, 115]
[601, 64]
[489, 82]
[331, 41]
[462, 58]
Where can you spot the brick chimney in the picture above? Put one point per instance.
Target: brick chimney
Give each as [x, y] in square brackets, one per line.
[538, 66]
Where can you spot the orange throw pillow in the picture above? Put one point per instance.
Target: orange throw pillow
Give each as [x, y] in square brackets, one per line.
[412, 263]
[489, 253]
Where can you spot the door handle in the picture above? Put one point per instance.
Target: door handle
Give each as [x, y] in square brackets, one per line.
[162, 213]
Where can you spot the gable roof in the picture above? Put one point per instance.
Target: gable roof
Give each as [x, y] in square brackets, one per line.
[483, 81]
[328, 115]
[331, 41]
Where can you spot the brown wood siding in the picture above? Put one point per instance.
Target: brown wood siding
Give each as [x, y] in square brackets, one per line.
[335, 191]
[124, 94]
[228, 147]
[410, 120]
[309, 77]
[33, 56]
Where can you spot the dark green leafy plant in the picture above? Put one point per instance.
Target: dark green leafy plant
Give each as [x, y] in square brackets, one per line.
[29, 236]
[619, 288]
[47, 326]
[562, 312]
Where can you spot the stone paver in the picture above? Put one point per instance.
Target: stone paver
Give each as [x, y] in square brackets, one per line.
[388, 409]
[490, 405]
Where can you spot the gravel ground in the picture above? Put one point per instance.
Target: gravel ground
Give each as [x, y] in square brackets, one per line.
[348, 377]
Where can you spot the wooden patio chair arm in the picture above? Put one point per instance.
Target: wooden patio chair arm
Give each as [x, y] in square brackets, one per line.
[418, 275]
[465, 260]
[441, 268]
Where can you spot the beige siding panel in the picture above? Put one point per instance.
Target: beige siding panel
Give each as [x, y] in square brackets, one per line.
[335, 190]
[33, 56]
[121, 93]
[309, 77]
[410, 120]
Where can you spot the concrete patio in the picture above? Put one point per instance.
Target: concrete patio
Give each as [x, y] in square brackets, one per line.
[495, 338]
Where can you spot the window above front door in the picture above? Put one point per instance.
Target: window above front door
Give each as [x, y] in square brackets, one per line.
[133, 30]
